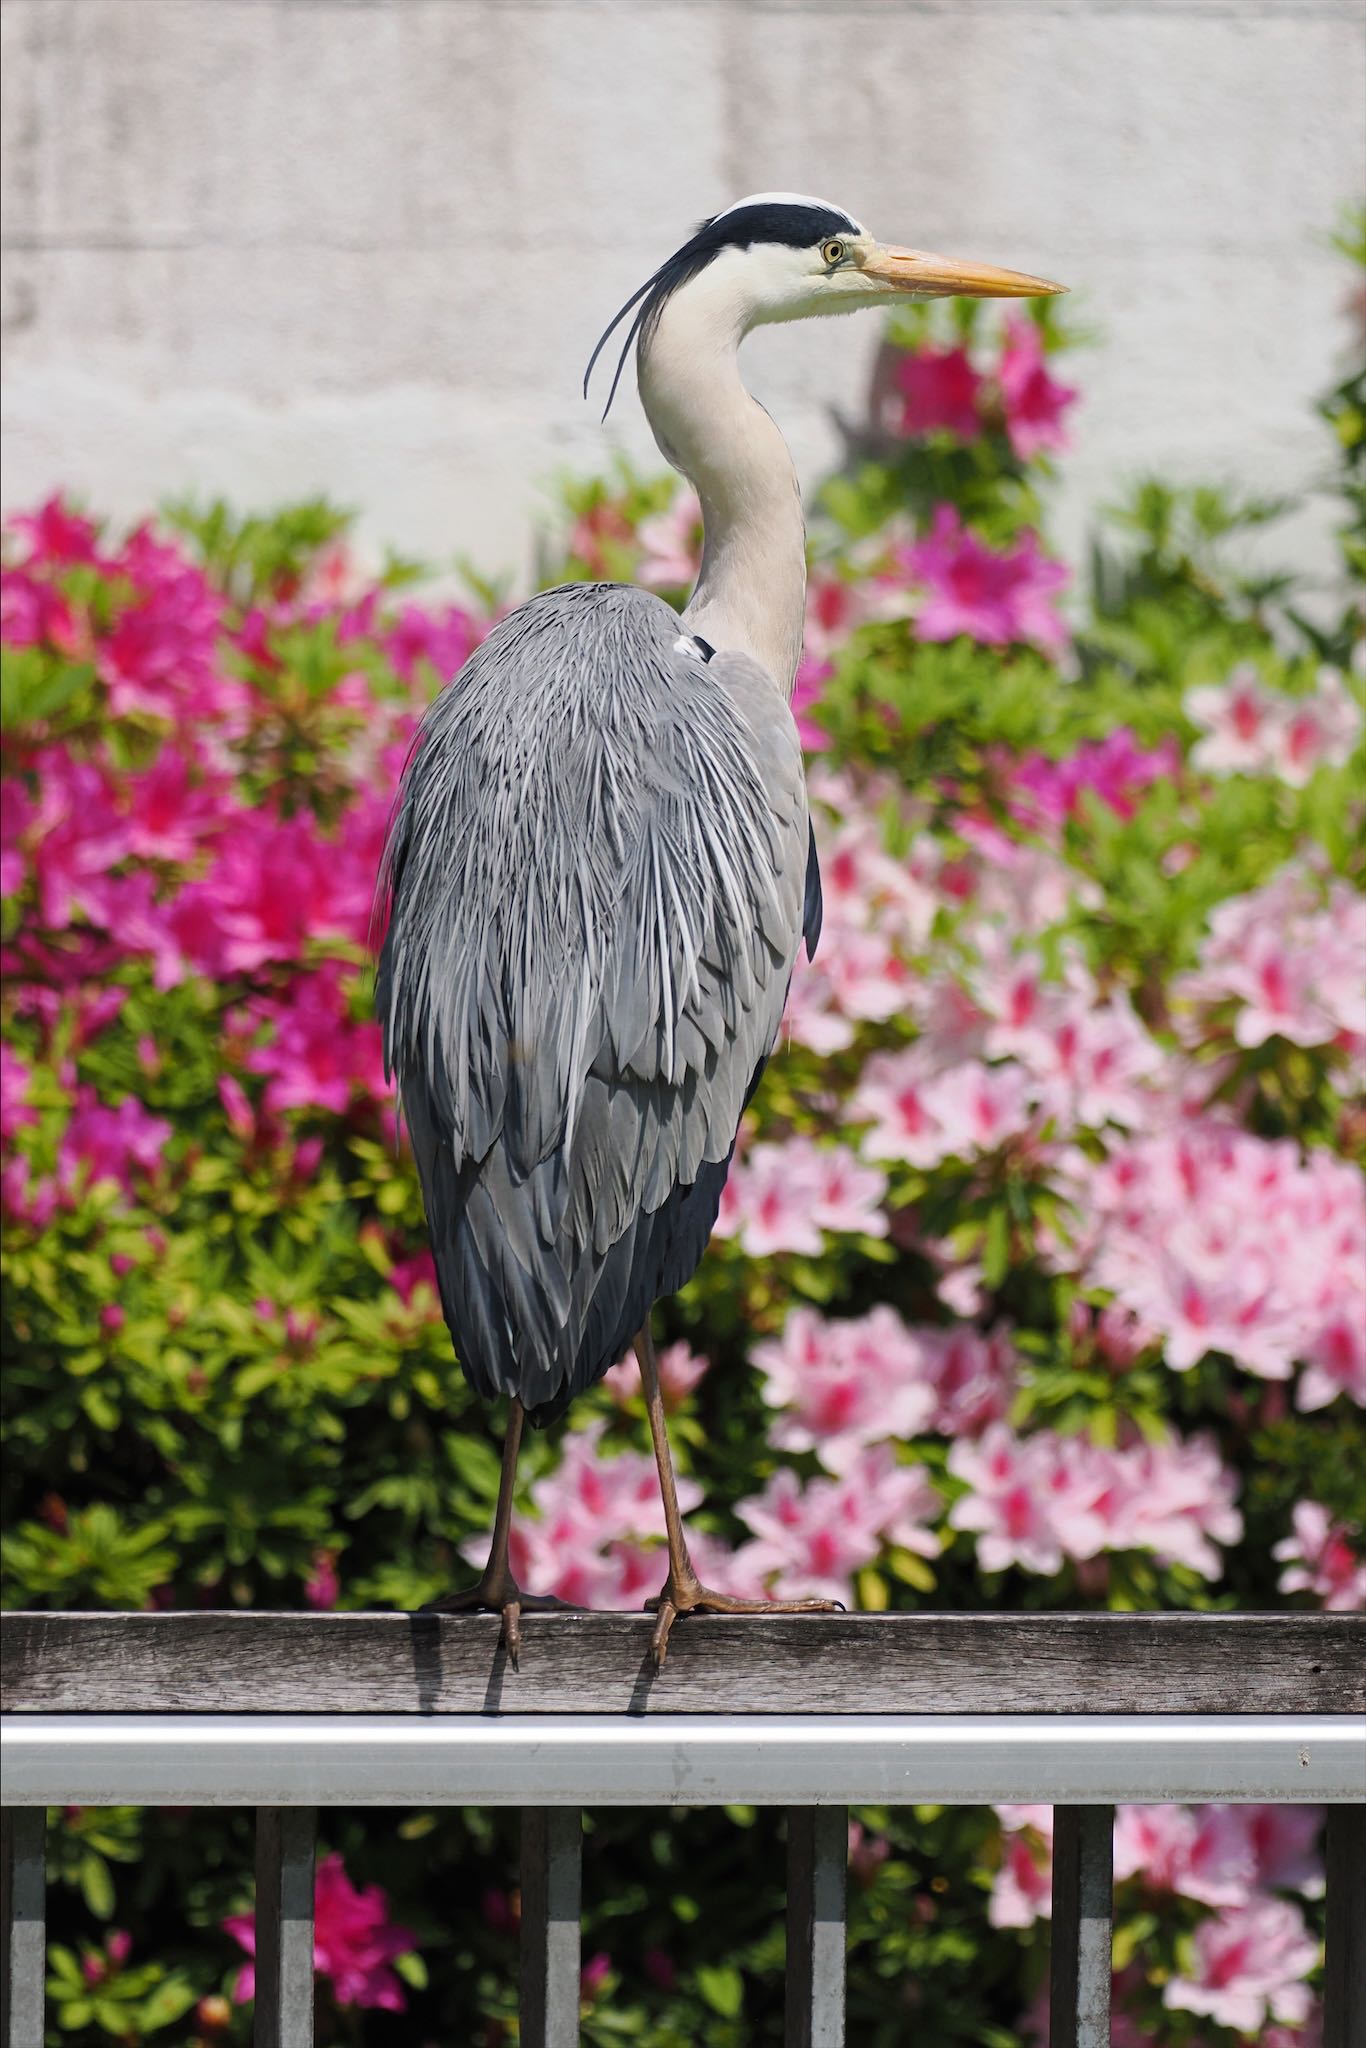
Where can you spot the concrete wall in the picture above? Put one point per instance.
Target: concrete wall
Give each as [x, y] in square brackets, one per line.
[265, 247]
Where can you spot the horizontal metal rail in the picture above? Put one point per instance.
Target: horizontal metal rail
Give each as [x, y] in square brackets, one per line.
[676, 1760]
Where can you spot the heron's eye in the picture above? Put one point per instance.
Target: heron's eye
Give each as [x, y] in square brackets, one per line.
[832, 253]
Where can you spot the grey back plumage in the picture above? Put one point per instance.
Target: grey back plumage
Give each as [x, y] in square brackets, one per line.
[600, 869]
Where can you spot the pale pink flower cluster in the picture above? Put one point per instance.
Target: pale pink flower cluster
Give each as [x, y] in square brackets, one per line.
[784, 1198]
[812, 1539]
[842, 1385]
[1218, 1240]
[1037, 1500]
[877, 912]
[1252, 730]
[679, 1367]
[1219, 1855]
[1252, 1954]
[1250, 1963]
[1291, 958]
[1319, 1559]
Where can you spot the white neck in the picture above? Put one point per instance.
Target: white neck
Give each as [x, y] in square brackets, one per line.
[751, 590]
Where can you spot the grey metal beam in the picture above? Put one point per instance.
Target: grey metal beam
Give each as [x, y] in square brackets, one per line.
[1083, 1927]
[675, 1760]
[1344, 1962]
[23, 1877]
[817, 1861]
[552, 1852]
[284, 1927]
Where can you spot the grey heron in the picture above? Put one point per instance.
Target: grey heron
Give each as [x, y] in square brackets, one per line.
[600, 870]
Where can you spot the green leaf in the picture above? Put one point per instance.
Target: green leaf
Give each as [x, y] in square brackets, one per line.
[723, 1988]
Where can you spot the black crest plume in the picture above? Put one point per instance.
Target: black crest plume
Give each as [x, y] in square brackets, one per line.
[798, 226]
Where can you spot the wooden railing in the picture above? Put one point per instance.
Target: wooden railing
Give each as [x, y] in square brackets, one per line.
[290, 1712]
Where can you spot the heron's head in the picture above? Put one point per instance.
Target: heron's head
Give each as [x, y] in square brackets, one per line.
[779, 256]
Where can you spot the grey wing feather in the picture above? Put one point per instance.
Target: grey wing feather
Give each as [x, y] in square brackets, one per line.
[601, 868]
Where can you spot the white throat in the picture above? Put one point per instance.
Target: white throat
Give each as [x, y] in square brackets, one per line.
[751, 590]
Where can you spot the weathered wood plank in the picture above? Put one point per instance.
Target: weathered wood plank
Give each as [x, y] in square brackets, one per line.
[23, 1876]
[1344, 1961]
[284, 1927]
[1082, 1938]
[817, 1862]
[601, 1663]
[552, 1879]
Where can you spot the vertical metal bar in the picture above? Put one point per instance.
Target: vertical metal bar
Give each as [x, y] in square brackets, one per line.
[23, 1874]
[817, 1859]
[1083, 1915]
[1344, 1961]
[284, 1927]
[552, 1884]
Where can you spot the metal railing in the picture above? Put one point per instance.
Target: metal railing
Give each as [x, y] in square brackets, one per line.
[288, 1713]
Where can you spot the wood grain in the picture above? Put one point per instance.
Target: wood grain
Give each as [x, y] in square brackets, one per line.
[600, 1663]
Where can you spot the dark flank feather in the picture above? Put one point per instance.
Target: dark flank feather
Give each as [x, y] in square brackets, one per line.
[601, 867]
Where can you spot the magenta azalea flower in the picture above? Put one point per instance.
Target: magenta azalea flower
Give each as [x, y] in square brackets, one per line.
[111, 1142]
[1114, 769]
[353, 1941]
[939, 390]
[1034, 402]
[993, 596]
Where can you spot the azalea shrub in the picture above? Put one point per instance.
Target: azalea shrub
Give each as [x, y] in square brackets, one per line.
[1040, 1279]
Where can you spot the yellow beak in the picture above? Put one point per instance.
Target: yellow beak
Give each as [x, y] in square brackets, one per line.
[922, 276]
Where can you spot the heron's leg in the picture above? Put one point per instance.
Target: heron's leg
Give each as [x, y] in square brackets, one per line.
[683, 1591]
[497, 1591]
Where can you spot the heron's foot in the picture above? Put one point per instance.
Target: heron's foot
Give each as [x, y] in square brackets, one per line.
[687, 1595]
[502, 1595]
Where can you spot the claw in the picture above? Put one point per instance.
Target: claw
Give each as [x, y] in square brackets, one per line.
[692, 1597]
[511, 1636]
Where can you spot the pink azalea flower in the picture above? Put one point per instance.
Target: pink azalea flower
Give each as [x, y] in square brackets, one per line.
[1035, 1500]
[845, 1384]
[111, 1143]
[894, 1095]
[1007, 1505]
[1252, 730]
[169, 814]
[978, 1108]
[1320, 1559]
[1316, 732]
[1022, 1890]
[14, 1105]
[407, 1275]
[671, 545]
[1217, 1240]
[1289, 957]
[782, 1197]
[811, 679]
[322, 1586]
[598, 1524]
[1034, 402]
[994, 597]
[1115, 771]
[940, 393]
[354, 1941]
[317, 1056]
[679, 1367]
[442, 640]
[55, 535]
[973, 1376]
[1250, 1963]
[809, 1541]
